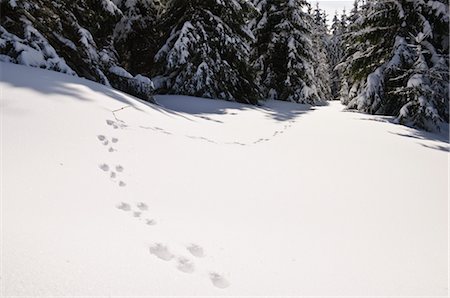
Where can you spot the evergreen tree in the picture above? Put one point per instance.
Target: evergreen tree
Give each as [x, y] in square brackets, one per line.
[72, 37]
[397, 61]
[321, 42]
[283, 53]
[206, 50]
[136, 34]
[336, 48]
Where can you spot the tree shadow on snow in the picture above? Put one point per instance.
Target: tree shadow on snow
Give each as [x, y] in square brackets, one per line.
[427, 136]
[416, 134]
[202, 108]
[54, 83]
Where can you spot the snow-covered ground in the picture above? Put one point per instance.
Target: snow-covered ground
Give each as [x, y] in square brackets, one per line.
[202, 197]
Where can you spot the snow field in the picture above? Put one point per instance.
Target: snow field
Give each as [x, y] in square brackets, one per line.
[201, 197]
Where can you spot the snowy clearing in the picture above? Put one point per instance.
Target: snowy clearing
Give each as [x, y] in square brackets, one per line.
[201, 197]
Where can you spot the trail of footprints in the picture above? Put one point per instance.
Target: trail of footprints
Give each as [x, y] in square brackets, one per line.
[113, 171]
[186, 265]
[162, 252]
[261, 140]
[141, 211]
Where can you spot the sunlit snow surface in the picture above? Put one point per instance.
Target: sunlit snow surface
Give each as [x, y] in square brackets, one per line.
[202, 197]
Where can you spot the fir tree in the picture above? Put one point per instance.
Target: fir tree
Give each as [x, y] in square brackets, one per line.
[336, 49]
[136, 34]
[73, 37]
[397, 62]
[283, 52]
[321, 42]
[206, 50]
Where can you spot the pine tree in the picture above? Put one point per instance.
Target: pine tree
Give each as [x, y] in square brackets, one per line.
[73, 37]
[397, 61]
[283, 52]
[426, 94]
[136, 34]
[335, 54]
[321, 42]
[206, 50]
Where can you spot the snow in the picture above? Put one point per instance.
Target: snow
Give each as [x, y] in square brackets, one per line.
[120, 72]
[88, 41]
[110, 7]
[440, 9]
[34, 50]
[13, 3]
[415, 80]
[202, 197]
[179, 53]
[65, 41]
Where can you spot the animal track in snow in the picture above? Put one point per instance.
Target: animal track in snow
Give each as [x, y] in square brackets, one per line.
[119, 168]
[260, 141]
[105, 142]
[218, 280]
[150, 222]
[157, 129]
[112, 123]
[185, 265]
[161, 251]
[104, 167]
[116, 124]
[122, 184]
[113, 175]
[235, 143]
[124, 206]
[137, 214]
[196, 250]
[202, 139]
[142, 206]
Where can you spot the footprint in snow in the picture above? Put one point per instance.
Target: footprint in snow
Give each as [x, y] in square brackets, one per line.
[142, 206]
[196, 250]
[112, 123]
[115, 140]
[137, 214]
[119, 168]
[122, 184]
[235, 143]
[101, 138]
[115, 124]
[113, 175]
[124, 206]
[218, 280]
[185, 265]
[111, 150]
[150, 222]
[161, 251]
[104, 167]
